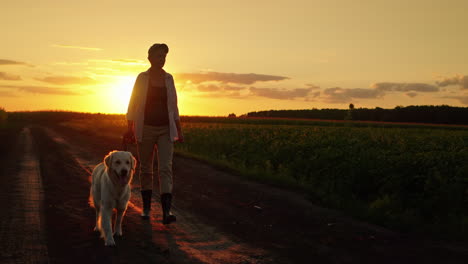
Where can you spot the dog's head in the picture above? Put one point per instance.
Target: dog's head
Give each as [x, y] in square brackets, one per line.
[120, 166]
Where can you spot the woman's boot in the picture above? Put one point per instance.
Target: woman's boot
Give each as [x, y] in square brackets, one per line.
[166, 200]
[146, 197]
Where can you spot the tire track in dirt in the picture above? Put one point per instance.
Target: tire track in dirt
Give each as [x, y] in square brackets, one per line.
[187, 241]
[22, 233]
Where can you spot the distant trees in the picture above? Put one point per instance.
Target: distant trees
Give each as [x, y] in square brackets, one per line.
[334, 114]
[349, 115]
[3, 116]
[442, 114]
[59, 116]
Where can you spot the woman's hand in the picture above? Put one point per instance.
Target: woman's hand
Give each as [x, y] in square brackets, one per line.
[129, 136]
[179, 132]
[180, 139]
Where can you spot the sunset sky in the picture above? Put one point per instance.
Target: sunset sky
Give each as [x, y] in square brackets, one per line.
[235, 56]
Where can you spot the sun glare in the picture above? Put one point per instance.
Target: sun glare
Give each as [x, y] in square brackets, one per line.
[120, 91]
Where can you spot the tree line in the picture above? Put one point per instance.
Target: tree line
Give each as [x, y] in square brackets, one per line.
[442, 114]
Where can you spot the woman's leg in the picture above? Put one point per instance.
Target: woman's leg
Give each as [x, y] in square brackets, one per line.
[165, 149]
[146, 148]
[165, 154]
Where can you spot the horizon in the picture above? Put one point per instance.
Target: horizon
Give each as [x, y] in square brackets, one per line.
[240, 115]
[236, 57]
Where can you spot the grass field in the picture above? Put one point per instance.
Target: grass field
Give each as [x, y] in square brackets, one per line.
[408, 177]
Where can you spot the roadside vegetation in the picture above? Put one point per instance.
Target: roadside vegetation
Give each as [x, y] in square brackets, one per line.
[3, 117]
[9, 131]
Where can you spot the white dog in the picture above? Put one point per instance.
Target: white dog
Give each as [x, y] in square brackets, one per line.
[110, 188]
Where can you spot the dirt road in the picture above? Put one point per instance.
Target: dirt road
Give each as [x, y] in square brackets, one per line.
[46, 216]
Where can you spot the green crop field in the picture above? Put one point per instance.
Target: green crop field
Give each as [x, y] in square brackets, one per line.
[407, 177]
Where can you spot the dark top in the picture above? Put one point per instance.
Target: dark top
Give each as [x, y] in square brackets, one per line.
[156, 113]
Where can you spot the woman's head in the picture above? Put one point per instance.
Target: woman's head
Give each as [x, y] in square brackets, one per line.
[157, 55]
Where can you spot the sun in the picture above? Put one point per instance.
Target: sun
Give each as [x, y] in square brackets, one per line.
[120, 92]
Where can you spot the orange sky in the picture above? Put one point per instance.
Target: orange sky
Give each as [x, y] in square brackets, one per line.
[235, 57]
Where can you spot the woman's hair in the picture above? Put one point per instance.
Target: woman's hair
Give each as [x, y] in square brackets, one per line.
[158, 46]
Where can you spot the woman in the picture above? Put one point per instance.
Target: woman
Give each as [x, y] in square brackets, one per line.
[153, 119]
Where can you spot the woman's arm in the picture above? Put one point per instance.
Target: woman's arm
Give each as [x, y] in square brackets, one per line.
[176, 114]
[132, 104]
[130, 134]
[131, 112]
[179, 131]
[130, 125]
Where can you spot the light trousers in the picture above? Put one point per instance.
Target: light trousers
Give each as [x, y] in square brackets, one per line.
[156, 140]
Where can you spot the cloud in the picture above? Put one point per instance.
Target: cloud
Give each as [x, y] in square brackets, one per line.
[224, 90]
[313, 86]
[283, 94]
[341, 95]
[315, 94]
[127, 62]
[208, 88]
[11, 62]
[220, 90]
[218, 94]
[463, 99]
[75, 47]
[460, 80]
[71, 63]
[233, 88]
[112, 65]
[405, 87]
[62, 80]
[42, 89]
[376, 90]
[238, 78]
[9, 77]
[222, 87]
[7, 94]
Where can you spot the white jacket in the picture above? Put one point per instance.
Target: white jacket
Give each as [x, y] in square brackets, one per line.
[136, 106]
